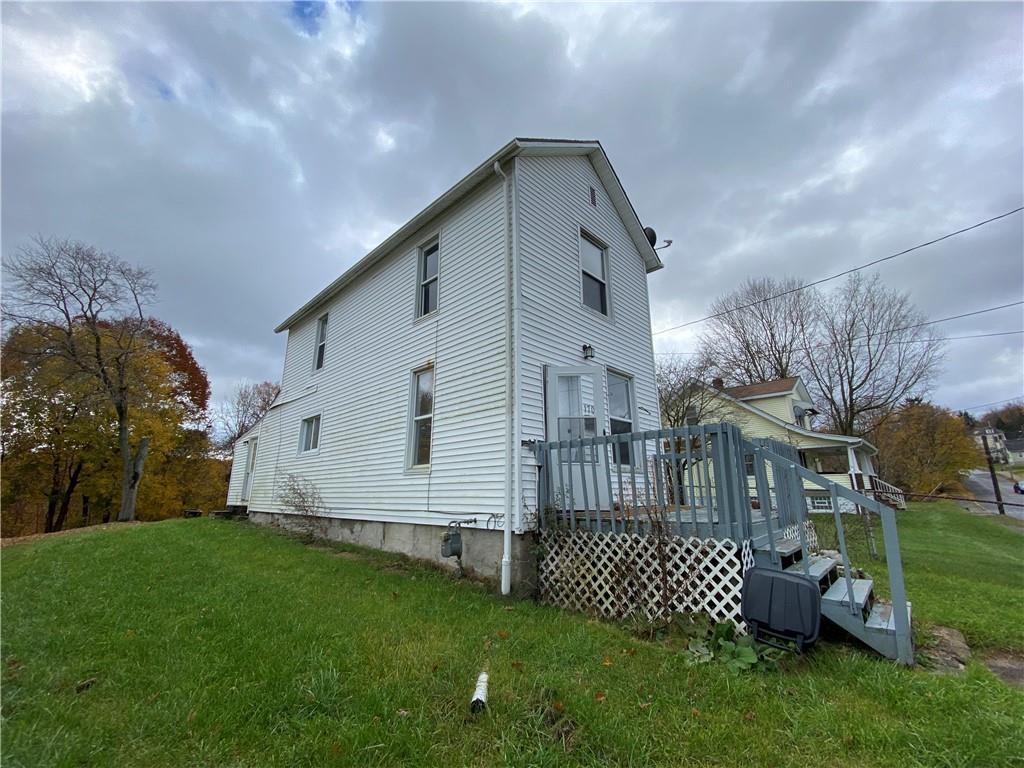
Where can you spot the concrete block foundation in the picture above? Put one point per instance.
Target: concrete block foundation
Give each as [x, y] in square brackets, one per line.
[481, 549]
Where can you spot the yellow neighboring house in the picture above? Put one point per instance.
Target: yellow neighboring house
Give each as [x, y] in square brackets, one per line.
[782, 410]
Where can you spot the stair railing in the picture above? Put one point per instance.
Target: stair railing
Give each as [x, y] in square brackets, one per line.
[794, 475]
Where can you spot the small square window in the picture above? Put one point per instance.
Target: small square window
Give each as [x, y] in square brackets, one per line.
[593, 264]
[309, 434]
[427, 272]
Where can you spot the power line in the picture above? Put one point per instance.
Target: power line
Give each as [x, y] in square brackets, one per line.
[911, 327]
[841, 274]
[908, 341]
[985, 404]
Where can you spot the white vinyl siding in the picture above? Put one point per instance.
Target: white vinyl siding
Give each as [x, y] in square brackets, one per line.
[554, 206]
[239, 461]
[363, 393]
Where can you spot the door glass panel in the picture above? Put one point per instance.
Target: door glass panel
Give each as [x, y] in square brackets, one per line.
[576, 413]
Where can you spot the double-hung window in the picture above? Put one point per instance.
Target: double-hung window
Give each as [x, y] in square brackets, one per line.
[594, 274]
[321, 343]
[422, 416]
[426, 301]
[620, 412]
[309, 434]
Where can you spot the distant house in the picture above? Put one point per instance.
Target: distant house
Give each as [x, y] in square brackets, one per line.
[782, 410]
[1015, 450]
[513, 308]
[994, 441]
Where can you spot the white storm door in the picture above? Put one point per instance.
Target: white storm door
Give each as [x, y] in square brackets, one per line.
[575, 409]
[250, 466]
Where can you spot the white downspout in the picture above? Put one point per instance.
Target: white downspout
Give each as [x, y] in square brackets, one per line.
[506, 554]
[517, 419]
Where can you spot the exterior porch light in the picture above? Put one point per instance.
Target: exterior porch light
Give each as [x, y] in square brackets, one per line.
[588, 352]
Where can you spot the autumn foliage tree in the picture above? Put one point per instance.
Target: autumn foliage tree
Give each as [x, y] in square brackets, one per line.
[923, 447]
[1008, 418]
[94, 391]
[88, 308]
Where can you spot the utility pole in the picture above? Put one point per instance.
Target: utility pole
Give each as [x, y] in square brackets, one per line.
[992, 474]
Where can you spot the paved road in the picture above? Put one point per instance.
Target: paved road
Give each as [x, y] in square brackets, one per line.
[980, 484]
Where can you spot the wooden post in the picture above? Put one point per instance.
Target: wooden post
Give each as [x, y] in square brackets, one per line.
[992, 474]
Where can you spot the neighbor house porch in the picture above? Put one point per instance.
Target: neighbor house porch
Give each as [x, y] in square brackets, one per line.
[851, 467]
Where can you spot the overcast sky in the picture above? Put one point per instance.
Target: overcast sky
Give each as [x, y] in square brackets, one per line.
[249, 153]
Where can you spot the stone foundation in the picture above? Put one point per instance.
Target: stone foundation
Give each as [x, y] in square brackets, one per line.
[481, 549]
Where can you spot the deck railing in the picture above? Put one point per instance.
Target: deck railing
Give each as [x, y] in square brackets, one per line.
[695, 480]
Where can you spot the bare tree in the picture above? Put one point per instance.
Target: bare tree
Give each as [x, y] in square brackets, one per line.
[866, 351]
[88, 305]
[684, 391]
[248, 404]
[755, 334]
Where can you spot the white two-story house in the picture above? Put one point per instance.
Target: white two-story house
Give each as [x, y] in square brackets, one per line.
[513, 308]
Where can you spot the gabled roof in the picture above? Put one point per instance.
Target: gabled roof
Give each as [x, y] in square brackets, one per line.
[518, 146]
[846, 440]
[761, 389]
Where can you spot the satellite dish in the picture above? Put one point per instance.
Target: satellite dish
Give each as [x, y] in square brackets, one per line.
[652, 236]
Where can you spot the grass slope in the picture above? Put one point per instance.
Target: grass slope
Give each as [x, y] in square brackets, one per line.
[213, 643]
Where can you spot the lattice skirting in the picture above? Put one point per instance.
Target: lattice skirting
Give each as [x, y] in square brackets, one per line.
[615, 575]
[793, 532]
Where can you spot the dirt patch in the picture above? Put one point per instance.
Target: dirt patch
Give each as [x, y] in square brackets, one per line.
[12, 540]
[1008, 667]
[950, 653]
[346, 555]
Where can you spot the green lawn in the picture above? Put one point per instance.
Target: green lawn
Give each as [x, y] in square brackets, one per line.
[214, 643]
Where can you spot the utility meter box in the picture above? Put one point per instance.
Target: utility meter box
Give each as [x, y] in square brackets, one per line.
[451, 542]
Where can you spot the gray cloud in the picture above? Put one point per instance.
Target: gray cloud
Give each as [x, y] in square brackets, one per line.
[248, 157]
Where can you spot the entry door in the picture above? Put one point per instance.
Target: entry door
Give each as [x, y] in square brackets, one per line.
[250, 465]
[575, 409]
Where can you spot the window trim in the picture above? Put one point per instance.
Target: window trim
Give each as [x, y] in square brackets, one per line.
[421, 280]
[317, 343]
[826, 507]
[319, 433]
[410, 462]
[631, 394]
[585, 234]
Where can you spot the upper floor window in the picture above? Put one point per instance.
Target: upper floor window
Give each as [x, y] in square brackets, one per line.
[620, 412]
[594, 273]
[321, 343]
[309, 434]
[427, 283]
[422, 416]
